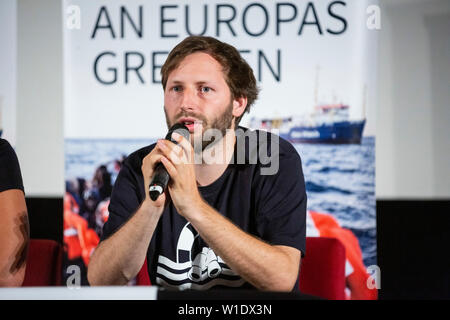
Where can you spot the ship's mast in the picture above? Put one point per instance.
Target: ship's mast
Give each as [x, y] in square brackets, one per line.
[316, 87]
[364, 101]
[1, 106]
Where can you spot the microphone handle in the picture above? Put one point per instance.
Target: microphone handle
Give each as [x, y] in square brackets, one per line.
[159, 181]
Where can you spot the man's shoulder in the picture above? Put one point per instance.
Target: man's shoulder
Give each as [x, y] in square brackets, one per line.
[5, 147]
[10, 175]
[134, 159]
[8, 157]
[272, 143]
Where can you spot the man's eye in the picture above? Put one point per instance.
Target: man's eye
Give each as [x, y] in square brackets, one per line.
[205, 89]
[176, 89]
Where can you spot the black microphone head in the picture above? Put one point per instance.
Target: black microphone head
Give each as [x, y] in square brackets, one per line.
[180, 129]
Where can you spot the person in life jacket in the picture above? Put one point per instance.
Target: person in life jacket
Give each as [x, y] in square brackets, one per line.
[78, 238]
[101, 215]
[325, 225]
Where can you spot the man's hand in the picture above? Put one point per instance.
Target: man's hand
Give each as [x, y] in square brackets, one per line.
[148, 167]
[178, 161]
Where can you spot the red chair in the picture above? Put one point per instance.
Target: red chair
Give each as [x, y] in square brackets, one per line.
[142, 278]
[44, 264]
[322, 271]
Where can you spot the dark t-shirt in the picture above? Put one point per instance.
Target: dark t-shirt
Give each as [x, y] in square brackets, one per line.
[10, 176]
[271, 207]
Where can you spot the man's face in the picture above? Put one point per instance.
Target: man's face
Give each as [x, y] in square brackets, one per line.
[198, 96]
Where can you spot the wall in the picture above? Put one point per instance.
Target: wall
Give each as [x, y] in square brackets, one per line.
[40, 97]
[413, 119]
[8, 60]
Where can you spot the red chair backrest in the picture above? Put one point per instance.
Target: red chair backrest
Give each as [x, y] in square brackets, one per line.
[44, 264]
[142, 278]
[322, 271]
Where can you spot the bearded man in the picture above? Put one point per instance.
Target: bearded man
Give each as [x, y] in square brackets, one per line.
[220, 223]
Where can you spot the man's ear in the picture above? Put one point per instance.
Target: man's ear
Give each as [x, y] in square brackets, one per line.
[239, 105]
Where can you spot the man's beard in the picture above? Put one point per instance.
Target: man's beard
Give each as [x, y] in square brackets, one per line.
[221, 123]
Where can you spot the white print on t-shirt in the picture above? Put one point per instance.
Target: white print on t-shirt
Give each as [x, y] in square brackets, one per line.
[203, 270]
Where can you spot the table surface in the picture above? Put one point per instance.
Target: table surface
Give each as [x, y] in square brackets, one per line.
[80, 293]
[141, 293]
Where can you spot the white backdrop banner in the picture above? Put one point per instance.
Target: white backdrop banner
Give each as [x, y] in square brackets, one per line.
[315, 62]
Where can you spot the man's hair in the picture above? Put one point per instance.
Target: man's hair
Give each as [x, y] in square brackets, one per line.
[238, 74]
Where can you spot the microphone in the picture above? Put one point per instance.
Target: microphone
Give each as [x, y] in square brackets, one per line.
[161, 176]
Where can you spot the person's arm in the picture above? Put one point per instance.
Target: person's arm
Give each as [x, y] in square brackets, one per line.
[266, 266]
[119, 258]
[14, 237]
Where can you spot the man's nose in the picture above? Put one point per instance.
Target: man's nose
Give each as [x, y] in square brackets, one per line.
[189, 100]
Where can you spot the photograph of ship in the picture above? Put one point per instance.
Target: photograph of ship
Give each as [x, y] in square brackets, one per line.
[328, 123]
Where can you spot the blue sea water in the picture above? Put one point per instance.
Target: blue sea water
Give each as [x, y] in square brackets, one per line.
[340, 179]
[83, 156]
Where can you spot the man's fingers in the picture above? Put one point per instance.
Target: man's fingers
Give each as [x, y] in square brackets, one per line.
[171, 170]
[167, 149]
[185, 144]
[175, 153]
[149, 163]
